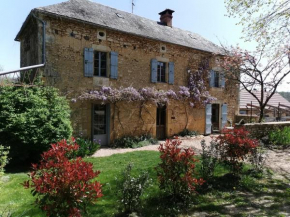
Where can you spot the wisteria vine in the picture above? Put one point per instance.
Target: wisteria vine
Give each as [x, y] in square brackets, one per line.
[148, 94]
[195, 94]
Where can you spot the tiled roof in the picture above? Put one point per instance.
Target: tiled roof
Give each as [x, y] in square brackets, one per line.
[247, 98]
[104, 16]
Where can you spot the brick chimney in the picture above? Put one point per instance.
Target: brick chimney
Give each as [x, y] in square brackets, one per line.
[166, 17]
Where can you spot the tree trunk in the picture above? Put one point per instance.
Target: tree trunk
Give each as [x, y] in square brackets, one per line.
[261, 113]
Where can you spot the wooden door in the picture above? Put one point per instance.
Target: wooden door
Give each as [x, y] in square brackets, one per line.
[161, 122]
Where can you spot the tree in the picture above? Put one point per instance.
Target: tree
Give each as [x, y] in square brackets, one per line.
[31, 118]
[253, 73]
[266, 21]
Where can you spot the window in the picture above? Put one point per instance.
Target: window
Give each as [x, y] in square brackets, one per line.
[100, 66]
[161, 69]
[216, 79]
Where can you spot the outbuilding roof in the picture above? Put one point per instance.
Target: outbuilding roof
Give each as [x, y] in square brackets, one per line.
[111, 18]
[247, 98]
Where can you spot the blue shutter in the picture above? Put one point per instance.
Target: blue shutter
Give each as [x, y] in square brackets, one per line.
[222, 80]
[114, 65]
[224, 115]
[208, 114]
[171, 73]
[211, 78]
[88, 62]
[154, 70]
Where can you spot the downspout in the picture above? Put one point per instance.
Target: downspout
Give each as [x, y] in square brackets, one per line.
[43, 36]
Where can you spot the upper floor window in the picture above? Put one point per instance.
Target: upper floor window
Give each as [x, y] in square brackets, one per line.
[217, 79]
[161, 70]
[100, 66]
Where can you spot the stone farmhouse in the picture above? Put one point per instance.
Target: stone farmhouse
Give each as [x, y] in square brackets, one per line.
[86, 46]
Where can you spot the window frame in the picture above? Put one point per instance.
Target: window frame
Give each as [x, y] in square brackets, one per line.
[159, 71]
[217, 79]
[98, 69]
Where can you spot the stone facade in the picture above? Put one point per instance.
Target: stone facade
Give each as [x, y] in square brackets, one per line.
[65, 43]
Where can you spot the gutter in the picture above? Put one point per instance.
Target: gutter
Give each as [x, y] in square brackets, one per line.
[22, 69]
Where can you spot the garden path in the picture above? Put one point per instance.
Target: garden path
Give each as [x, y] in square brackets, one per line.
[193, 142]
[277, 160]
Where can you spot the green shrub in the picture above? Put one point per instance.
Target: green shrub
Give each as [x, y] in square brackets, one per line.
[209, 159]
[31, 118]
[187, 132]
[280, 137]
[131, 189]
[258, 159]
[134, 141]
[3, 158]
[87, 147]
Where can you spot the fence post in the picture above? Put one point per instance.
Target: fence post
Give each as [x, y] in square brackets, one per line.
[279, 118]
[251, 111]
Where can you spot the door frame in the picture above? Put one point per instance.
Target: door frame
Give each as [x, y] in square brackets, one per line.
[165, 120]
[108, 120]
[219, 116]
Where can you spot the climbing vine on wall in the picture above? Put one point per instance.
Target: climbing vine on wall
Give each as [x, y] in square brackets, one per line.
[195, 94]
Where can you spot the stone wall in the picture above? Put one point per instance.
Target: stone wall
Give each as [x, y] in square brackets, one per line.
[65, 43]
[263, 129]
[31, 44]
[246, 118]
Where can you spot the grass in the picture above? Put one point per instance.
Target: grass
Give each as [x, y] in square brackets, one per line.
[263, 196]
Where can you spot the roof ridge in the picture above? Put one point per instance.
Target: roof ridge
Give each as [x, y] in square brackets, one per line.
[106, 16]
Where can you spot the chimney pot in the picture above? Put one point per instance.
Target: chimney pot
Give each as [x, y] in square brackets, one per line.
[166, 17]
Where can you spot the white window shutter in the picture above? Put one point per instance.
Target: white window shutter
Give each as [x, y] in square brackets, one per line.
[208, 115]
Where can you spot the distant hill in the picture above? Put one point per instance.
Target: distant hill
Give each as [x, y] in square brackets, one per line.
[286, 95]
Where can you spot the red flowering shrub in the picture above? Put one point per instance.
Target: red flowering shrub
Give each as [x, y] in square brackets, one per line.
[176, 171]
[235, 146]
[63, 187]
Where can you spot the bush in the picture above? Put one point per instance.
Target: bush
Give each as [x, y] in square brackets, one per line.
[86, 147]
[63, 187]
[258, 159]
[176, 172]
[234, 146]
[187, 132]
[132, 188]
[280, 137]
[209, 159]
[3, 158]
[31, 119]
[134, 141]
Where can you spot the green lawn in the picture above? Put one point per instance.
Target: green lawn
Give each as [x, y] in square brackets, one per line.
[261, 196]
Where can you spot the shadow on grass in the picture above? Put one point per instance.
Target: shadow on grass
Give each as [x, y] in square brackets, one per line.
[24, 167]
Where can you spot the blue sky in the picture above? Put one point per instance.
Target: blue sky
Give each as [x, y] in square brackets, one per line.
[205, 17]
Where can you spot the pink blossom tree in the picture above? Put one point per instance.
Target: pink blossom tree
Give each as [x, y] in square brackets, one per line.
[257, 73]
[265, 21]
